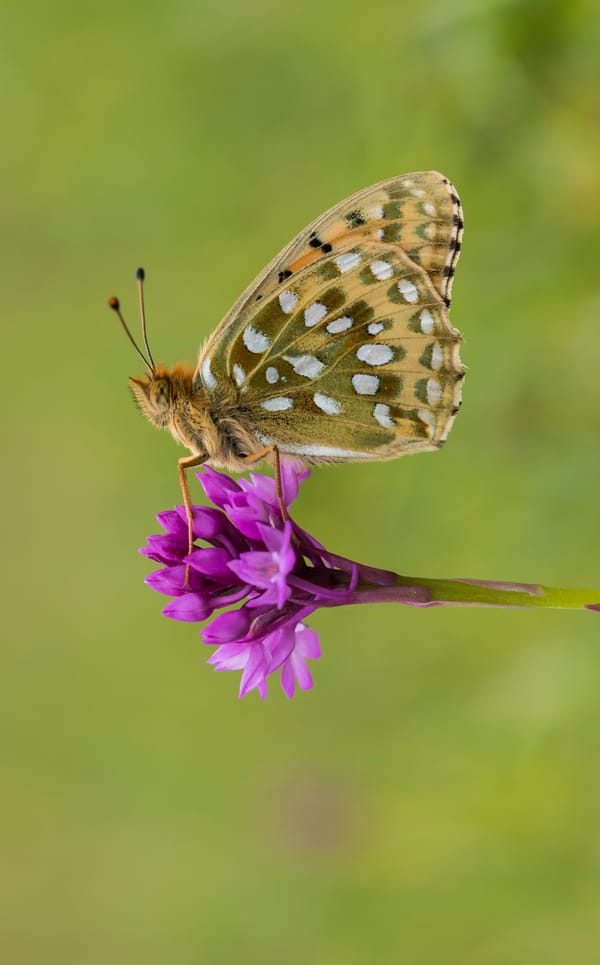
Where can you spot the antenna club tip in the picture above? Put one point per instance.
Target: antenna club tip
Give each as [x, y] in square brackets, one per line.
[140, 274]
[113, 302]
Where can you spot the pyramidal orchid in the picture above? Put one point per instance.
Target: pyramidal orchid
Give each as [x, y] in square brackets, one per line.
[268, 575]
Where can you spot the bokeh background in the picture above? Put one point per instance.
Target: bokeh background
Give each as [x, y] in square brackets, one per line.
[436, 796]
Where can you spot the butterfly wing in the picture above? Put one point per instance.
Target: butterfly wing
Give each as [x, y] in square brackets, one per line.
[342, 348]
[420, 213]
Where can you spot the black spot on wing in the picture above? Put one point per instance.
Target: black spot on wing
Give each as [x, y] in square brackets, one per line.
[355, 219]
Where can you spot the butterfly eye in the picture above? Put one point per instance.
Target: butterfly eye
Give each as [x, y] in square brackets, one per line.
[160, 394]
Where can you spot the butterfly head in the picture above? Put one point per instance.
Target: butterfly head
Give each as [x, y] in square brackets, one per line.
[153, 394]
[169, 400]
[160, 393]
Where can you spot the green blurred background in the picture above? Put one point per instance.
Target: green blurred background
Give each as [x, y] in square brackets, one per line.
[435, 798]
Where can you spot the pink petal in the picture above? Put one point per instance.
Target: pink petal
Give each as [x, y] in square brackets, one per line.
[217, 485]
[191, 608]
[280, 645]
[303, 674]
[255, 670]
[227, 627]
[288, 680]
[307, 642]
[171, 521]
[171, 581]
[230, 656]
[212, 561]
[261, 486]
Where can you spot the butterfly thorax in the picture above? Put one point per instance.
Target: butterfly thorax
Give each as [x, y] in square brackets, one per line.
[208, 426]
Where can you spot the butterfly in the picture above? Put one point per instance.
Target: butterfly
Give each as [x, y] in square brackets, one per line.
[341, 350]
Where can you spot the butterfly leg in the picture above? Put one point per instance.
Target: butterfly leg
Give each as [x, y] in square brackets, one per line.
[188, 462]
[256, 457]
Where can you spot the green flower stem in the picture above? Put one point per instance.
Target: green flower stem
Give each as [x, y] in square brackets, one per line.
[500, 594]
[383, 586]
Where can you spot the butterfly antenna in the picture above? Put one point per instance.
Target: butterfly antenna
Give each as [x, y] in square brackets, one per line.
[139, 277]
[114, 304]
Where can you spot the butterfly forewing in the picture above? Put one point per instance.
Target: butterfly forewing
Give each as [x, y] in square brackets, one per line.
[342, 348]
[420, 212]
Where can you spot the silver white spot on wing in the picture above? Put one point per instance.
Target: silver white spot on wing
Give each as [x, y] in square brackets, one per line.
[287, 301]
[340, 324]
[207, 376]
[375, 354]
[427, 322]
[327, 404]
[376, 212]
[428, 418]
[365, 384]
[382, 415]
[375, 328]
[313, 449]
[279, 404]
[437, 356]
[255, 341]
[418, 192]
[381, 269]
[409, 292]
[434, 391]
[429, 208]
[272, 375]
[306, 365]
[347, 261]
[314, 314]
[238, 374]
